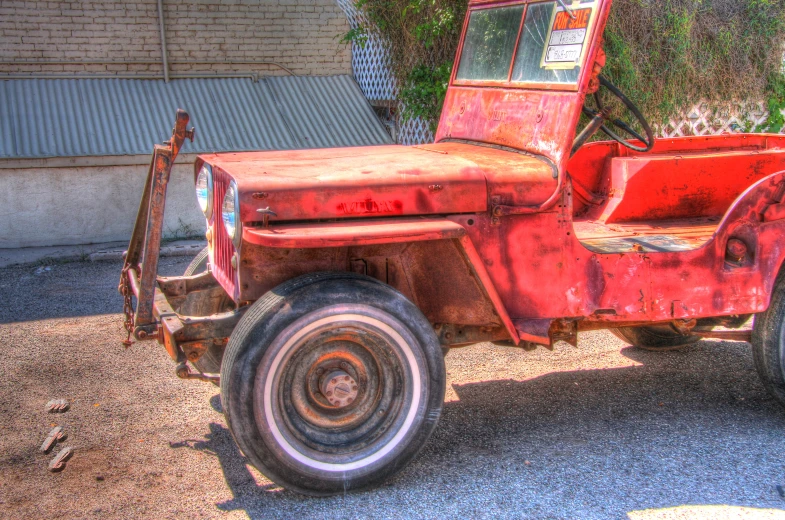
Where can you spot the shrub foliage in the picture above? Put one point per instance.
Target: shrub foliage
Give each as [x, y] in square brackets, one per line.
[665, 54]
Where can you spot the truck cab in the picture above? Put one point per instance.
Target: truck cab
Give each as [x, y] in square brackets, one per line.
[334, 280]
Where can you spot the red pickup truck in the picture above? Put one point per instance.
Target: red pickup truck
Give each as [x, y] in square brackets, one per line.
[334, 280]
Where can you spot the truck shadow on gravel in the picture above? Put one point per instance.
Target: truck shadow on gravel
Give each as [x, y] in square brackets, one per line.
[693, 427]
[238, 477]
[219, 443]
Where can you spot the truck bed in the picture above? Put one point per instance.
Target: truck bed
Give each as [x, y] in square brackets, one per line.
[670, 199]
[649, 237]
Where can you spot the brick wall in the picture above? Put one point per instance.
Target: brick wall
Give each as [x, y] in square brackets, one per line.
[302, 35]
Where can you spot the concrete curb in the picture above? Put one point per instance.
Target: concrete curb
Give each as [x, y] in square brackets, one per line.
[117, 254]
[94, 253]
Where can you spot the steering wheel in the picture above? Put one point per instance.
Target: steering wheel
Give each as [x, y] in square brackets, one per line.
[602, 117]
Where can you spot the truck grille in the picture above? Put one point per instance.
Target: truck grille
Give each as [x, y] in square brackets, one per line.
[223, 248]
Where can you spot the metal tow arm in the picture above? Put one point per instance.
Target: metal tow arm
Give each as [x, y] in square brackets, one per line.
[143, 250]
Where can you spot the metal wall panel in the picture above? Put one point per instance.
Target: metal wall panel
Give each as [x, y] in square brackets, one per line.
[91, 117]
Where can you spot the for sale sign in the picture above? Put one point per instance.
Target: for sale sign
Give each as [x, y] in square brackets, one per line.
[568, 35]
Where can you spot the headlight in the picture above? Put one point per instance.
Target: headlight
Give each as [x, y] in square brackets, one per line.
[229, 212]
[204, 190]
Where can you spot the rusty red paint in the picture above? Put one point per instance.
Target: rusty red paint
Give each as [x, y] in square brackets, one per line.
[371, 181]
[495, 227]
[537, 244]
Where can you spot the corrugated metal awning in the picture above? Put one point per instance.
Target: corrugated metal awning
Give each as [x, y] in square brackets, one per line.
[93, 117]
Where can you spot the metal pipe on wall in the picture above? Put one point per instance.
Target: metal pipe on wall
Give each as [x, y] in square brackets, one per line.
[163, 40]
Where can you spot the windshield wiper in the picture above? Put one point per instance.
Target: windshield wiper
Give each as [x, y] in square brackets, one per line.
[567, 9]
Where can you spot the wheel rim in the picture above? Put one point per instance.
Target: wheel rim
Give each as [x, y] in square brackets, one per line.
[363, 358]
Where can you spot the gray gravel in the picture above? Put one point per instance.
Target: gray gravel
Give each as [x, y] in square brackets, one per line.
[603, 431]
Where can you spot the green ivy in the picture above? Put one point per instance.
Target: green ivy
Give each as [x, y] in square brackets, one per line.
[423, 36]
[423, 95]
[775, 105]
[670, 54]
[665, 54]
[357, 35]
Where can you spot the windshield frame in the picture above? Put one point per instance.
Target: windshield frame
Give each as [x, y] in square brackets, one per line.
[528, 85]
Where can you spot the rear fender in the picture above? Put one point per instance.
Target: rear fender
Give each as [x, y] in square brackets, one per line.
[757, 219]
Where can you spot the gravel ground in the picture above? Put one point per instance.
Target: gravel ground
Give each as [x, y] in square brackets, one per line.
[603, 431]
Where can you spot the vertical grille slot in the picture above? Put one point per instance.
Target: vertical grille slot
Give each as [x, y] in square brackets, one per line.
[223, 248]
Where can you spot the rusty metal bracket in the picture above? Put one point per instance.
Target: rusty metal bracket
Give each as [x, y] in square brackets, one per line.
[456, 335]
[266, 214]
[194, 350]
[183, 372]
[145, 244]
[684, 327]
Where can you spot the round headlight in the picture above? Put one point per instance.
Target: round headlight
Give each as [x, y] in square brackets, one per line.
[229, 212]
[204, 190]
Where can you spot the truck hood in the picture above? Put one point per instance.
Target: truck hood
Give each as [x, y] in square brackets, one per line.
[371, 181]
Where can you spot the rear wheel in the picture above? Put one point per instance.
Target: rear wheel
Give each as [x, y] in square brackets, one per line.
[768, 343]
[332, 383]
[657, 338]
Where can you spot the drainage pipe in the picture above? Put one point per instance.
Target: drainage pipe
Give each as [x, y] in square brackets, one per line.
[163, 40]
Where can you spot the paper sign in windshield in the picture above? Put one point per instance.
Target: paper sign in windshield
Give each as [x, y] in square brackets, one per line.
[567, 38]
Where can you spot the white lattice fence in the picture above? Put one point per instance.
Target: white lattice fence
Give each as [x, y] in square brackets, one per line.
[372, 70]
[371, 61]
[704, 119]
[414, 131]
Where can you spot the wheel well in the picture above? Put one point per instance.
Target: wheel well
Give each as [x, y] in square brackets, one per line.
[435, 275]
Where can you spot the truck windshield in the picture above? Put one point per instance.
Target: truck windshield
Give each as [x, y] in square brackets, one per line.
[551, 45]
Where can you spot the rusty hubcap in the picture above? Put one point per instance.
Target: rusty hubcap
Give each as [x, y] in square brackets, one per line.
[342, 391]
[339, 388]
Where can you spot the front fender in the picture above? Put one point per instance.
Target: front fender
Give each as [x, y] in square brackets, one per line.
[431, 267]
[353, 233]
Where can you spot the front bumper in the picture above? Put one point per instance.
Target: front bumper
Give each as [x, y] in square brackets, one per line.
[162, 303]
[184, 337]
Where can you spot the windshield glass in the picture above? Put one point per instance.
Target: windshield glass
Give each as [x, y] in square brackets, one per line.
[490, 41]
[550, 49]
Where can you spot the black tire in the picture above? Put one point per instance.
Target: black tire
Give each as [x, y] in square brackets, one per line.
[292, 342]
[656, 338]
[768, 343]
[210, 361]
[199, 264]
